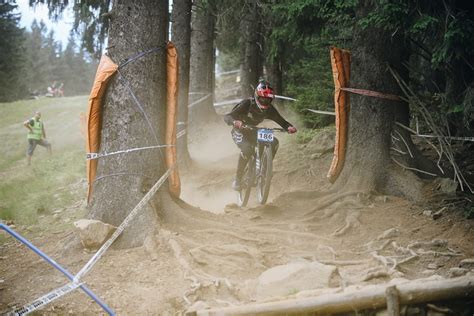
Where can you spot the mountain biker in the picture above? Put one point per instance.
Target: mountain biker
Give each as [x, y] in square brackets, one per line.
[253, 111]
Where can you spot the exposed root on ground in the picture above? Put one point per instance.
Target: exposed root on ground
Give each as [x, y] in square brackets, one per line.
[331, 199]
[226, 232]
[198, 279]
[352, 221]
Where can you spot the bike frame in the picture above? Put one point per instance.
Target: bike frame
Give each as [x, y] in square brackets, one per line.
[254, 175]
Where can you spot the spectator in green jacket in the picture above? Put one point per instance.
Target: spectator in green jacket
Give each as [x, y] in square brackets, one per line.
[36, 135]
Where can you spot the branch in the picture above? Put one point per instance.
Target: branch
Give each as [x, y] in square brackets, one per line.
[413, 169]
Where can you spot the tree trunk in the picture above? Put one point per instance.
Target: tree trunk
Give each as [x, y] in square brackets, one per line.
[368, 166]
[201, 83]
[181, 36]
[135, 27]
[275, 72]
[251, 67]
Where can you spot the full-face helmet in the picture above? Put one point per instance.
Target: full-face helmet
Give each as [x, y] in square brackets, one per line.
[264, 95]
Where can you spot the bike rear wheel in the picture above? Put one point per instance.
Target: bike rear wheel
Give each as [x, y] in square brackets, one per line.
[246, 183]
[265, 175]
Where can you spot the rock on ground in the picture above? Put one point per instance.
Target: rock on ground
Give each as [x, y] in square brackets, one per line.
[93, 233]
[293, 277]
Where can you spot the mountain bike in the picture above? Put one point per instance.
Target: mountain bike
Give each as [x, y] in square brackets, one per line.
[259, 169]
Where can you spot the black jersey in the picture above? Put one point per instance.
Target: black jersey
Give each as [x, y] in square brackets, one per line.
[249, 113]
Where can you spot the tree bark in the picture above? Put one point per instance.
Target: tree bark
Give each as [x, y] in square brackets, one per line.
[136, 27]
[368, 165]
[251, 66]
[201, 84]
[181, 36]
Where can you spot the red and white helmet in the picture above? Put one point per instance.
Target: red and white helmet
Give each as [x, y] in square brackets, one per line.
[264, 95]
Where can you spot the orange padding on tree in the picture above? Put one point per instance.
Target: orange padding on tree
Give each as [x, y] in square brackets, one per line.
[172, 86]
[105, 71]
[340, 64]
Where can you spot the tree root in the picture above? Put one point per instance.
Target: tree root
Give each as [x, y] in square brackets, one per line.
[331, 200]
[433, 243]
[388, 263]
[389, 233]
[443, 310]
[193, 275]
[343, 262]
[407, 250]
[224, 232]
[404, 261]
[369, 249]
[439, 253]
[331, 250]
[392, 263]
[376, 275]
[436, 243]
[352, 220]
[279, 232]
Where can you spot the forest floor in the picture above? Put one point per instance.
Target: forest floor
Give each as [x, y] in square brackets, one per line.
[216, 253]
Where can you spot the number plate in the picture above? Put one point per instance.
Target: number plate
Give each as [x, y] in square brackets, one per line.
[265, 135]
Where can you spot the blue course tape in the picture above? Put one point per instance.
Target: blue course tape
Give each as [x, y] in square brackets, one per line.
[57, 266]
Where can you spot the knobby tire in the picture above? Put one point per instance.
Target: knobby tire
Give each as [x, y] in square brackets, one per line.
[247, 181]
[266, 173]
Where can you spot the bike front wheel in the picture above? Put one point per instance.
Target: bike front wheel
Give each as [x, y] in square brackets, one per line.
[246, 184]
[265, 175]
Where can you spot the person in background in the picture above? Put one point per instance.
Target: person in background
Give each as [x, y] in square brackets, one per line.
[60, 90]
[36, 135]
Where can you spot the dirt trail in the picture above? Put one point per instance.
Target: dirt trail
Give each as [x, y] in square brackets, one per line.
[218, 257]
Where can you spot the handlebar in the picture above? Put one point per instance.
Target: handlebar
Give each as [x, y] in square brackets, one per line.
[249, 127]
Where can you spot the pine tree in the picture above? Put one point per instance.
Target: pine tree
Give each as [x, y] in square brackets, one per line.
[11, 57]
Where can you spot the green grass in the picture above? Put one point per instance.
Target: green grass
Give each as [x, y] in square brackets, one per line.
[48, 184]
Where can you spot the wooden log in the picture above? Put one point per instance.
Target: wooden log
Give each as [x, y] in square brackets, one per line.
[393, 301]
[358, 299]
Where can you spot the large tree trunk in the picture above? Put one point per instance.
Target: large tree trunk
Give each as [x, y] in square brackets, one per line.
[368, 165]
[251, 65]
[181, 36]
[135, 27]
[201, 83]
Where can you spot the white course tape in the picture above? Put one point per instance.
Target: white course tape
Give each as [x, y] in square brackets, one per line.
[122, 227]
[223, 103]
[199, 101]
[45, 299]
[228, 72]
[181, 133]
[284, 98]
[91, 156]
[321, 112]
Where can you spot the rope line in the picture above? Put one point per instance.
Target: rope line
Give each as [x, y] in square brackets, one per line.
[139, 55]
[135, 99]
[45, 299]
[199, 100]
[122, 174]
[88, 266]
[321, 112]
[181, 133]
[285, 98]
[92, 156]
[373, 94]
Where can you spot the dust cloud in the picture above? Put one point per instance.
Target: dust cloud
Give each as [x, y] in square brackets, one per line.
[207, 182]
